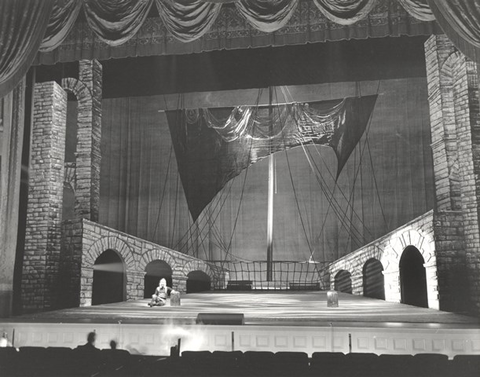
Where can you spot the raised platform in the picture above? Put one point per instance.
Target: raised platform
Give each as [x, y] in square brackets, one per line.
[273, 321]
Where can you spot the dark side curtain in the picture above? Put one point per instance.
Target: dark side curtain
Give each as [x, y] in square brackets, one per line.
[22, 26]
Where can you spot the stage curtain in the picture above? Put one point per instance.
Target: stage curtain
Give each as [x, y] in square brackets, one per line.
[231, 30]
[140, 189]
[188, 20]
[116, 21]
[460, 20]
[12, 120]
[345, 12]
[418, 9]
[22, 26]
[267, 15]
[62, 20]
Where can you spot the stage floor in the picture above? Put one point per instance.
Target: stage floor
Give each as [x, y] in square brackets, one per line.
[266, 308]
[273, 321]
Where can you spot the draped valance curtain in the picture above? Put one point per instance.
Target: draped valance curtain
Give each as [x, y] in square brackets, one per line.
[31, 26]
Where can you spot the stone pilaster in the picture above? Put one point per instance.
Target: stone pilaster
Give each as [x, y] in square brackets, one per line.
[468, 126]
[454, 113]
[45, 196]
[70, 263]
[450, 254]
[88, 147]
[442, 120]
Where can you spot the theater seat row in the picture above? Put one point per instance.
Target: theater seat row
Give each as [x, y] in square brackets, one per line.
[57, 361]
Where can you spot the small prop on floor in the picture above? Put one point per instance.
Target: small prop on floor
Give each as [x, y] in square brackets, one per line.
[332, 299]
[174, 298]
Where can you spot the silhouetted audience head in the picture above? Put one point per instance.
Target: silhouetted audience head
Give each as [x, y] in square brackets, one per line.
[113, 345]
[91, 338]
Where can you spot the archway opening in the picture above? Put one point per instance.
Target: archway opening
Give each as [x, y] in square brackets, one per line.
[154, 271]
[343, 281]
[413, 278]
[373, 279]
[198, 281]
[109, 278]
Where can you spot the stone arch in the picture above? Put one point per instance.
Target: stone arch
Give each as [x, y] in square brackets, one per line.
[373, 279]
[88, 262]
[109, 278]
[413, 280]
[112, 243]
[154, 271]
[198, 281]
[197, 266]
[87, 163]
[78, 88]
[157, 254]
[343, 281]
[391, 260]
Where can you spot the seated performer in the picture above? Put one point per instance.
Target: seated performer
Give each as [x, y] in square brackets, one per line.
[159, 298]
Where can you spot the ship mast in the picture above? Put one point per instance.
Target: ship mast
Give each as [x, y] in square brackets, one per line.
[271, 180]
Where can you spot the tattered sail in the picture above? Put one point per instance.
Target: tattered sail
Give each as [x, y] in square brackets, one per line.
[212, 146]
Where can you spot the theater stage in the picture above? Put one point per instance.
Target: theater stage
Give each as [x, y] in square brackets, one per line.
[272, 321]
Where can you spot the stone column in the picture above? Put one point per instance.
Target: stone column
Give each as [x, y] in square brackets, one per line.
[88, 91]
[454, 113]
[12, 142]
[88, 147]
[45, 196]
[442, 122]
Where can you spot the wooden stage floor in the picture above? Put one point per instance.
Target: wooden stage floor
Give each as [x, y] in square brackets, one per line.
[273, 321]
[278, 308]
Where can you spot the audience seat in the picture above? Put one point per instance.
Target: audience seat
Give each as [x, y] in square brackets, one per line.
[431, 365]
[327, 364]
[258, 363]
[394, 365]
[360, 364]
[226, 363]
[8, 360]
[291, 363]
[466, 365]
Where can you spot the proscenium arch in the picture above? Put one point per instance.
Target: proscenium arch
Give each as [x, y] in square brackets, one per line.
[343, 281]
[109, 278]
[154, 271]
[413, 280]
[373, 279]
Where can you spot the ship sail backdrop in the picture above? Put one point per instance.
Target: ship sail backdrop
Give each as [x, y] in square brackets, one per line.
[387, 181]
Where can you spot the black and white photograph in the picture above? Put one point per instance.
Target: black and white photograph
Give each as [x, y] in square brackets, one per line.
[240, 188]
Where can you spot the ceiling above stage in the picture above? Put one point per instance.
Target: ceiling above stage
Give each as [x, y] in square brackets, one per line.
[354, 60]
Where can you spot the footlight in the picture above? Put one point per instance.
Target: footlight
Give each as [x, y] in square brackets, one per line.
[332, 299]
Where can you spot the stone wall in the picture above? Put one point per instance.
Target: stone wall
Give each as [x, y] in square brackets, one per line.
[136, 254]
[454, 113]
[45, 196]
[451, 267]
[88, 91]
[388, 250]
